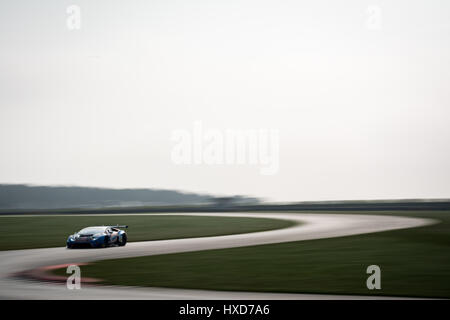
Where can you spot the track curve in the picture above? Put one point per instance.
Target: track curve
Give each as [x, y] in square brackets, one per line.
[308, 227]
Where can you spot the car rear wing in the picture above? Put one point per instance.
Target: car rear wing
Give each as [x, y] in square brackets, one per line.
[117, 226]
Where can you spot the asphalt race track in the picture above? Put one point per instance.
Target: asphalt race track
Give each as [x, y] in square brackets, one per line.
[314, 226]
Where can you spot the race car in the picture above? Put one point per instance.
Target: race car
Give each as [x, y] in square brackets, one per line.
[98, 237]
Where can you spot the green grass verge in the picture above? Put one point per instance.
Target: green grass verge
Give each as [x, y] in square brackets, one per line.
[414, 262]
[52, 231]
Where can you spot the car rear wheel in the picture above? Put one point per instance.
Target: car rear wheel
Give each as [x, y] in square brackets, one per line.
[123, 241]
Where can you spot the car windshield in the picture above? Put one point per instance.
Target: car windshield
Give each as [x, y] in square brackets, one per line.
[92, 230]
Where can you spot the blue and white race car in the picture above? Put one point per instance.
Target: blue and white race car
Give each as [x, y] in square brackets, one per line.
[98, 237]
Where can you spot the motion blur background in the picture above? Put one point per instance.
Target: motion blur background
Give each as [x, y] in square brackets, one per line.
[357, 92]
[357, 89]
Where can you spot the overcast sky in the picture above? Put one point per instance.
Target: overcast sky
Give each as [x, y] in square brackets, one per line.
[359, 92]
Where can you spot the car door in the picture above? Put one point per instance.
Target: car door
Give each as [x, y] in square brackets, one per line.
[113, 235]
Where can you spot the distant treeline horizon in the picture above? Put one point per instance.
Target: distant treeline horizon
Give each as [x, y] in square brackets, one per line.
[23, 196]
[29, 197]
